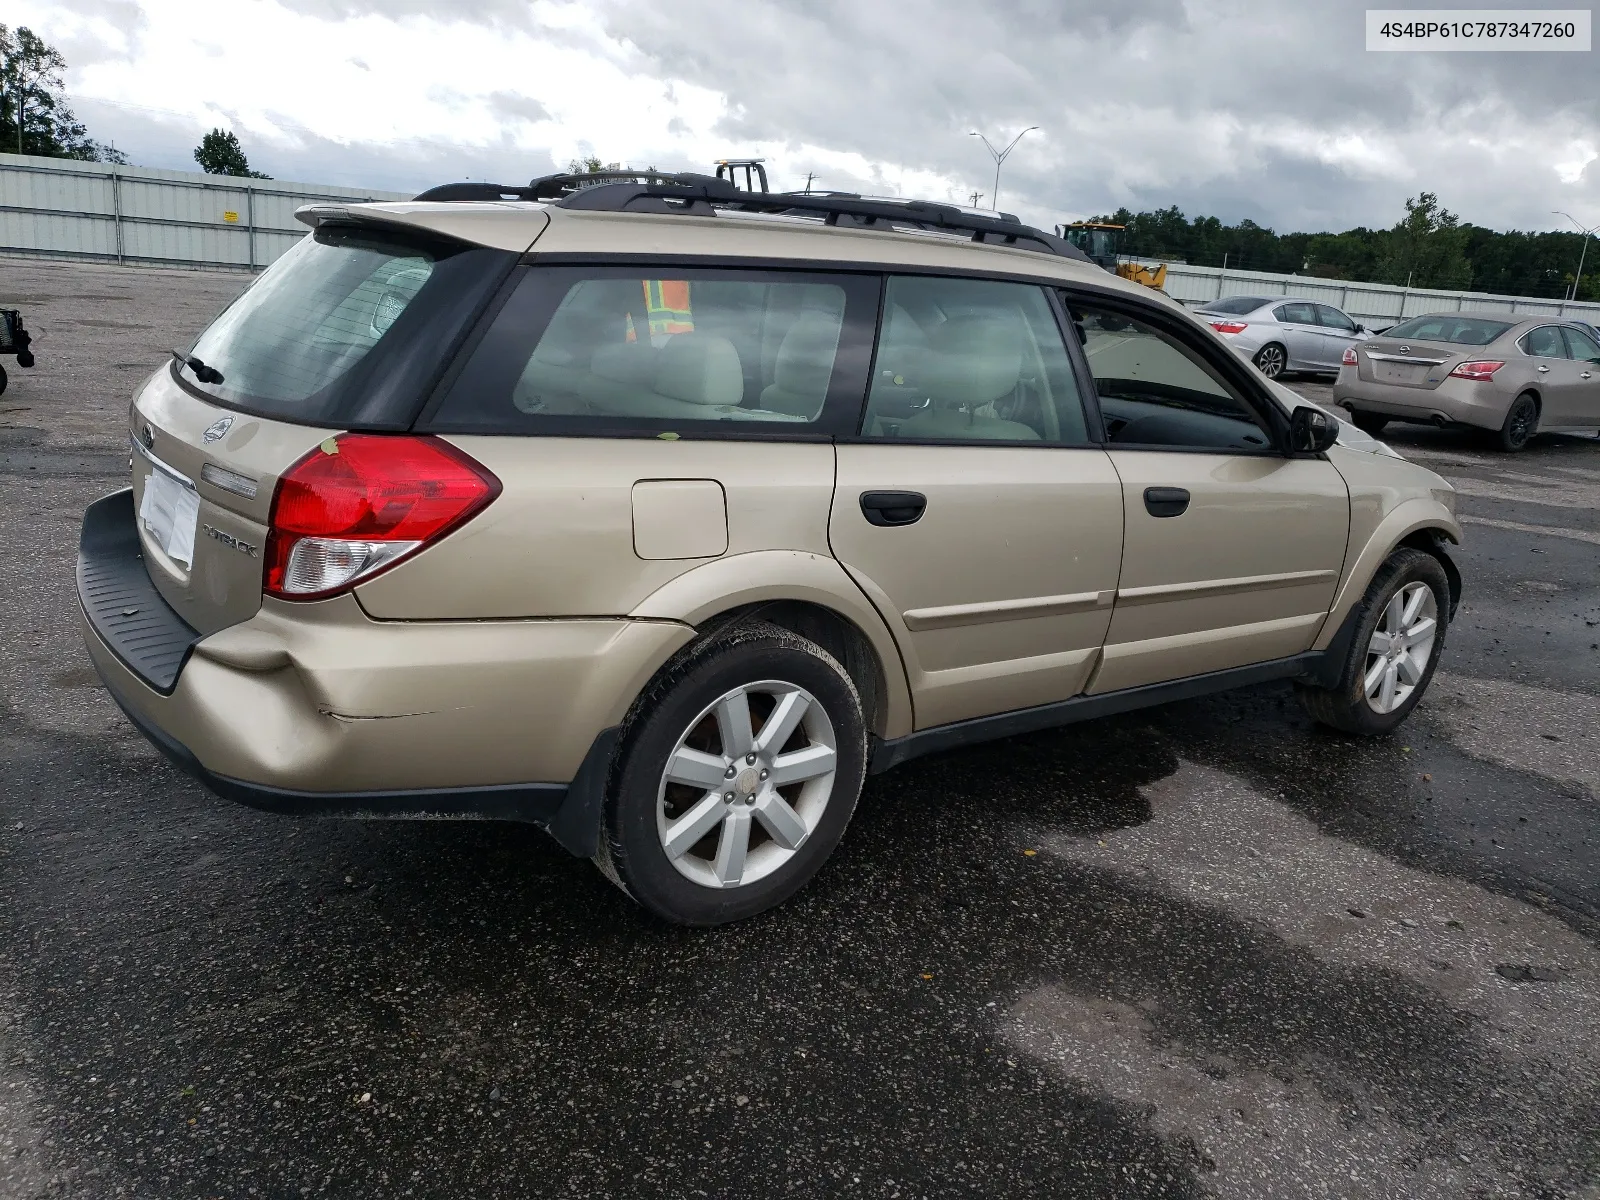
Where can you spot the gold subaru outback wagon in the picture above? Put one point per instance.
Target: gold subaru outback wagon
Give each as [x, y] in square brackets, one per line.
[659, 514]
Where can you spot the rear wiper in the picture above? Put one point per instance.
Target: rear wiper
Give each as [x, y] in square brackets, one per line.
[202, 372]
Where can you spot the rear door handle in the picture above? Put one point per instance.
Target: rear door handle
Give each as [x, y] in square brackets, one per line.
[1166, 501]
[1541, 370]
[893, 508]
[1583, 374]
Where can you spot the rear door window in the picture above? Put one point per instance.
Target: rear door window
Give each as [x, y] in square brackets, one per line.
[972, 360]
[1544, 342]
[688, 352]
[347, 329]
[1296, 314]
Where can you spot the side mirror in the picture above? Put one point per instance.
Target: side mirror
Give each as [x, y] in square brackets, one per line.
[1311, 431]
[1362, 329]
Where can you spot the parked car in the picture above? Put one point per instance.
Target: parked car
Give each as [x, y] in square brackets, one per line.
[1513, 377]
[1282, 333]
[660, 514]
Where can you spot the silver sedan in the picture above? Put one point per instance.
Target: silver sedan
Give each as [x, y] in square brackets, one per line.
[1284, 333]
[1511, 375]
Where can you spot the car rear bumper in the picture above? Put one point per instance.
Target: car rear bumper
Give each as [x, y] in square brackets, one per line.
[1453, 402]
[316, 709]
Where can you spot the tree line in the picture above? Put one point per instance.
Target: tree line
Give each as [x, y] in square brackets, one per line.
[1430, 247]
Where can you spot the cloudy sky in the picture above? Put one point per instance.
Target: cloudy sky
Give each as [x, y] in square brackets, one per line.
[1268, 109]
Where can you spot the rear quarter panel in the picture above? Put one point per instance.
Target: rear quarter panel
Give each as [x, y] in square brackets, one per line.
[560, 539]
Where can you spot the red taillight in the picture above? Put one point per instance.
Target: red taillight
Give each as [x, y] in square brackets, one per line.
[1477, 370]
[362, 502]
[1349, 358]
[1230, 326]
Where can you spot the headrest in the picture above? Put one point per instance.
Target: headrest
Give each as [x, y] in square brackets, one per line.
[625, 362]
[700, 368]
[975, 360]
[805, 356]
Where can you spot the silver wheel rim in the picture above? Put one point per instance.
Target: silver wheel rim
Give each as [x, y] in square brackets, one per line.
[746, 784]
[1271, 362]
[1401, 647]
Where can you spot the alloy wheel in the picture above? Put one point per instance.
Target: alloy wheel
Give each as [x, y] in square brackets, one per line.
[746, 784]
[1519, 427]
[1271, 361]
[1401, 647]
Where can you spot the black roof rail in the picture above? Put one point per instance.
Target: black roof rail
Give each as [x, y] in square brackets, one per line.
[688, 192]
[549, 187]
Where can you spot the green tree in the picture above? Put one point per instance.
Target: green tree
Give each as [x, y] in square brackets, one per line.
[219, 153]
[34, 115]
[1428, 248]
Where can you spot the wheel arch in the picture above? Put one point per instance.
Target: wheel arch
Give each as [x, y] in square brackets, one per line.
[1432, 540]
[1422, 523]
[810, 595]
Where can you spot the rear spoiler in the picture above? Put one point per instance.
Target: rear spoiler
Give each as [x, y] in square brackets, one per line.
[477, 225]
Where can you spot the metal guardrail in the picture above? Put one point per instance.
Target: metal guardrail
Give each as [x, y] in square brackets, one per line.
[1192, 285]
[60, 208]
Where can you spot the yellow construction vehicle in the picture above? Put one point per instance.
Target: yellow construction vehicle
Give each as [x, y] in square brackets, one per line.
[1099, 241]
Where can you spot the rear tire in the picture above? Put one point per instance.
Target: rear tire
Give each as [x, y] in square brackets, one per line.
[1393, 655]
[697, 828]
[1271, 360]
[1521, 423]
[1370, 423]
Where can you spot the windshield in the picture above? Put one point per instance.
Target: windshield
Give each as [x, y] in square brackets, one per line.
[1237, 305]
[1462, 331]
[319, 336]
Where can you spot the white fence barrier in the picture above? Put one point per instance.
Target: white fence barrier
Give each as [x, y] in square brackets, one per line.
[1369, 302]
[58, 208]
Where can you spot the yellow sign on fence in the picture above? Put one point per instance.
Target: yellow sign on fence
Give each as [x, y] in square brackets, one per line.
[232, 218]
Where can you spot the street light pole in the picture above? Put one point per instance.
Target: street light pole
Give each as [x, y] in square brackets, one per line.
[1583, 250]
[999, 157]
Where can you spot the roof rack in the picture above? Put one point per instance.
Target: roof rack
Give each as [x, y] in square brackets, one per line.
[690, 193]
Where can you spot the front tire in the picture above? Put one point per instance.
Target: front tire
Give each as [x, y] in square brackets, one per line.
[1271, 360]
[1521, 423]
[1399, 634]
[740, 767]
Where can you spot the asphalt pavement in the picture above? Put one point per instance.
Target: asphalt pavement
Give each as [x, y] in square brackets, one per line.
[1204, 950]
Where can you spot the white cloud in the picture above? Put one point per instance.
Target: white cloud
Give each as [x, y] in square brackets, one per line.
[1225, 106]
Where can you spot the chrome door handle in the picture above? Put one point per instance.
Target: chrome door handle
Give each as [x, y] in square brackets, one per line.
[1541, 370]
[1583, 374]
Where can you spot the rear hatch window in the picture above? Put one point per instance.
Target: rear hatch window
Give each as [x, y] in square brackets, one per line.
[348, 330]
[1453, 330]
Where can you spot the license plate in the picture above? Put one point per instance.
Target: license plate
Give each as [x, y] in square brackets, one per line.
[1388, 372]
[170, 513]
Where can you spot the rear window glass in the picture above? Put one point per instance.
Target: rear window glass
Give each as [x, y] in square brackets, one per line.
[320, 335]
[1235, 305]
[613, 350]
[1462, 331]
